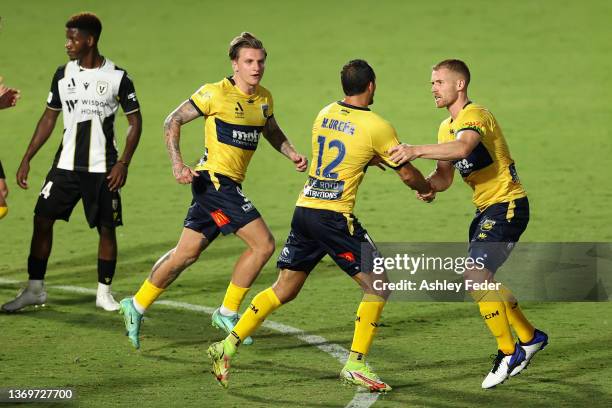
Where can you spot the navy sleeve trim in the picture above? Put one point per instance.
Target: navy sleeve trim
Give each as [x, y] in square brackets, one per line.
[196, 107]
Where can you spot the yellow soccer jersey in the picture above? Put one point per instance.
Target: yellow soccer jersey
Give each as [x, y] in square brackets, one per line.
[344, 139]
[489, 169]
[233, 124]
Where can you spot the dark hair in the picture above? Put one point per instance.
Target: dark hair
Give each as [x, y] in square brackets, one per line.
[245, 40]
[88, 22]
[355, 77]
[455, 65]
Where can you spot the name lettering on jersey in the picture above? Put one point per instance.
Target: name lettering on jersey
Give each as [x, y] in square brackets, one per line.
[242, 136]
[338, 125]
[323, 189]
[239, 111]
[101, 87]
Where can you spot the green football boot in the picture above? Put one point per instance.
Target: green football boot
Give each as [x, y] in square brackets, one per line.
[132, 320]
[220, 354]
[227, 323]
[360, 374]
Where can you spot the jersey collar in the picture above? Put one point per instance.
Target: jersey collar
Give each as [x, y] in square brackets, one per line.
[346, 105]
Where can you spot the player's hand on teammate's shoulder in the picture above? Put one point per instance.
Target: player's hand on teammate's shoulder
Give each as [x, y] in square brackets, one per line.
[183, 173]
[403, 153]
[117, 176]
[301, 162]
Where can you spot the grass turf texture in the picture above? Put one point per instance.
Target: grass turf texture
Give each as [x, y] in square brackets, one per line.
[540, 67]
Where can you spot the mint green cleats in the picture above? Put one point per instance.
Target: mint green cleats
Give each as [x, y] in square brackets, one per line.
[132, 320]
[227, 323]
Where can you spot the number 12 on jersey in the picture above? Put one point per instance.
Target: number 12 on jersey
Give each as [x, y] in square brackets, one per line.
[328, 171]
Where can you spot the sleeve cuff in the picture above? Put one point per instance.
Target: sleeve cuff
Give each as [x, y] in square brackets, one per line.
[196, 106]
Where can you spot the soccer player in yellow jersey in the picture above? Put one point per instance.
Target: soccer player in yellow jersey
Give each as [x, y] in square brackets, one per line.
[346, 137]
[237, 112]
[472, 142]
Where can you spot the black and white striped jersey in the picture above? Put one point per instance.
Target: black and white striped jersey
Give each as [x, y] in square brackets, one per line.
[89, 99]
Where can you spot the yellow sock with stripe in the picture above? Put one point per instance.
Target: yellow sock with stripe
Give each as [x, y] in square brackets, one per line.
[493, 311]
[146, 295]
[234, 295]
[523, 328]
[262, 305]
[366, 325]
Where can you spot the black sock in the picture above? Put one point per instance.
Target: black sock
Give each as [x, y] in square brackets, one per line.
[37, 268]
[106, 271]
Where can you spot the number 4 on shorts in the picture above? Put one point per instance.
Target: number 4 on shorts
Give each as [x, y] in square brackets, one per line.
[46, 191]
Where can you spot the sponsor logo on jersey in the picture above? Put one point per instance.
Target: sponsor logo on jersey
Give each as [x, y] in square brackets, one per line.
[239, 111]
[265, 110]
[244, 137]
[86, 85]
[71, 86]
[478, 159]
[323, 189]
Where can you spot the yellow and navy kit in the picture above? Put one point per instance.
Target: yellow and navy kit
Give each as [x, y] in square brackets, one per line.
[489, 169]
[234, 123]
[344, 139]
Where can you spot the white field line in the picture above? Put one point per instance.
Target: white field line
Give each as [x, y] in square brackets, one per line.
[361, 399]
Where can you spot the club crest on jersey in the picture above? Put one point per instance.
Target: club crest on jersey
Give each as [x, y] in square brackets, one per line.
[264, 110]
[101, 87]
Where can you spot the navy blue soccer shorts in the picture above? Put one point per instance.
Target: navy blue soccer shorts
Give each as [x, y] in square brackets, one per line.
[218, 206]
[316, 233]
[495, 231]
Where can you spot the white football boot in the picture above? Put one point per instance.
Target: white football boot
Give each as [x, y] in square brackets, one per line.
[32, 295]
[503, 366]
[104, 298]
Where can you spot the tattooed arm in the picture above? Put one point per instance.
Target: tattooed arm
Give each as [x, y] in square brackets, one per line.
[279, 141]
[185, 113]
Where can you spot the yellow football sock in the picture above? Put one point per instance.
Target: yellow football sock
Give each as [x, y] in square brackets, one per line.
[524, 330]
[366, 324]
[493, 311]
[234, 295]
[262, 305]
[147, 294]
[3, 212]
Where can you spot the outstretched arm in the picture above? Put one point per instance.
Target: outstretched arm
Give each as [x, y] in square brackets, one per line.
[458, 149]
[118, 174]
[412, 177]
[44, 128]
[278, 140]
[185, 113]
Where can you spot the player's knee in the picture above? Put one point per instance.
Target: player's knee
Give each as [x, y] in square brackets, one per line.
[42, 224]
[266, 247]
[185, 258]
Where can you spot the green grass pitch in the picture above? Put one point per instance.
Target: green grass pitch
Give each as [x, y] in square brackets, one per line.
[541, 67]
